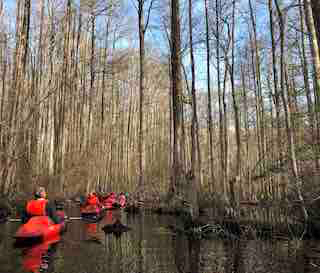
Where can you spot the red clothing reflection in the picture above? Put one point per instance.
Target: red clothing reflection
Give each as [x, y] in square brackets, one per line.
[111, 217]
[92, 233]
[36, 258]
[91, 229]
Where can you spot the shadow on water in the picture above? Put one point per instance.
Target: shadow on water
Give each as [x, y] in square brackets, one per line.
[149, 247]
[113, 224]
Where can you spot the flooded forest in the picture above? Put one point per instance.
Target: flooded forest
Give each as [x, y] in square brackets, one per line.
[187, 106]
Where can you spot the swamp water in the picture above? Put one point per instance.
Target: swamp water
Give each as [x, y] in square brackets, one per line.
[149, 247]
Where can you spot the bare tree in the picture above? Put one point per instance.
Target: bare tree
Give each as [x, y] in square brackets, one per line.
[305, 67]
[316, 17]
[181, 183]
[315, 51]
[143, 26]
[194, 99]
[212, 184]
[291, 144]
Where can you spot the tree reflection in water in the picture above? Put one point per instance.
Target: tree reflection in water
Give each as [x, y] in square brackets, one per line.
[113, 230]
[234, 260]
[306, 254]
[152, 248]
[186, 254]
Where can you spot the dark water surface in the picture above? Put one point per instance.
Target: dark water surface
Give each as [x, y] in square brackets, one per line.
[150, 248]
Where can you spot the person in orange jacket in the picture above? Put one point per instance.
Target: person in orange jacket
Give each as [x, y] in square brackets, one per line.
[40, 206]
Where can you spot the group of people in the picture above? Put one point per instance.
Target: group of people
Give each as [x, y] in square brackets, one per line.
[40, 205]
[111, 200]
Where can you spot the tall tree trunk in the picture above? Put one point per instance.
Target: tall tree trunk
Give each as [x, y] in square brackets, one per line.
[14, 94]
[222, 110]
[142, 30]
[141, 91]
[246, 124]
[258, 89]
[236, 113]
[316, 17]
[305, 67]
[212, 182]
[291, 144]
[61, 104]
[179, 185]
[194, 125]
[178, 172]
[315, 52]
[4, 95]
[225, 139]
[35, 132]
[276, 85]
[23, 170]
[194, 109]
[92, 77]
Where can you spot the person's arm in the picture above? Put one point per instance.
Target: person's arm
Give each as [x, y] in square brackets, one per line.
[24, 215]
[51, 212]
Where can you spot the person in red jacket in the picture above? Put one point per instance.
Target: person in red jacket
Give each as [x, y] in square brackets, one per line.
[122, 200]
[93, 199]
[40, 206]
[110, 200]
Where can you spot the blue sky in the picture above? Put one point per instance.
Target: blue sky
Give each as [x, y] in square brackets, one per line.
[156, 38]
